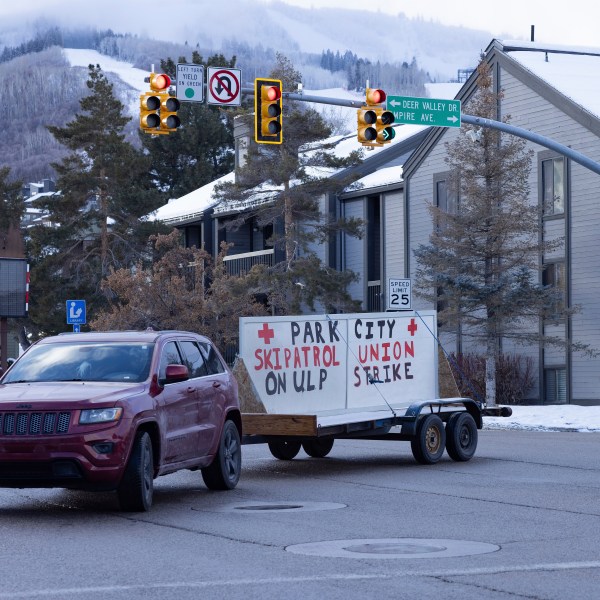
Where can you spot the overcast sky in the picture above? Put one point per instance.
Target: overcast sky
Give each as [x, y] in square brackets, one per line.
[573, 23]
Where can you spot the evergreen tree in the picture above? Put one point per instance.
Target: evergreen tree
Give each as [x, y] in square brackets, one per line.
[201, 150]
[280, 186]
[104, 190]
[11, 201]
[480, 266]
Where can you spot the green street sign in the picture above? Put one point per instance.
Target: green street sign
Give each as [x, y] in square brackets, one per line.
[424, 111]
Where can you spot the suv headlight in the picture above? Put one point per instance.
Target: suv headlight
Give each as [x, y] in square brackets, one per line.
[99, 415]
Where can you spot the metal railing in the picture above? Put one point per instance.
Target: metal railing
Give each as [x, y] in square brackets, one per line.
[374, 296]
[240, 264]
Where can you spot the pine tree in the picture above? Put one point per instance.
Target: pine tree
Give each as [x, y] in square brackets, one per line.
[104, 190]
[11, 201]
[290, 179]
[480, 266]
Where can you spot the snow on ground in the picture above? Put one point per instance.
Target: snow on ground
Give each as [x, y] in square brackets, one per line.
[564, 417]
[133, 78]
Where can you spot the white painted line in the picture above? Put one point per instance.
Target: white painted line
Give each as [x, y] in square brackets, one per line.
[316, 579]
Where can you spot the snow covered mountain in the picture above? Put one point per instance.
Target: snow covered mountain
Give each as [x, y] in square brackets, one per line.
[220, 26]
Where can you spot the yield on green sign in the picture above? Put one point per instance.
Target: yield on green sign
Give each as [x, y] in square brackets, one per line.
[190, 82]
[425, 111]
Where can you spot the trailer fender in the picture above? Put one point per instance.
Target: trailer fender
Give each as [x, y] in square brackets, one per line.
[444, 408]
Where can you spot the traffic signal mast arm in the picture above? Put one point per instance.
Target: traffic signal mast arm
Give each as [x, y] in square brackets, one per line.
[579, 158]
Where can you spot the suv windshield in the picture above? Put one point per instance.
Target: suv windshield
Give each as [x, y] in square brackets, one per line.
[91, 361]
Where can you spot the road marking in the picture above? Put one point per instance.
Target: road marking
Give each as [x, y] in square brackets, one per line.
[318, 578]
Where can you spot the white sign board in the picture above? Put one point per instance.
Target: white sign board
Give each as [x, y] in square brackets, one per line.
[190, 83]
[224, 86]
[316, 363]
[399, 294]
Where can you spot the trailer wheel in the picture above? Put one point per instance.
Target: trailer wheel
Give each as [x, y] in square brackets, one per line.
[461, 436]
[318, 448]
[284, 449]
[428, 445]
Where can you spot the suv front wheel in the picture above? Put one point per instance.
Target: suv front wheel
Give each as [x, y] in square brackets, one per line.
[137, 486]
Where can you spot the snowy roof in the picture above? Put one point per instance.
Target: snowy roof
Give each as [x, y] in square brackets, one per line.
[570, 70]
[381, 177]
[191, 205]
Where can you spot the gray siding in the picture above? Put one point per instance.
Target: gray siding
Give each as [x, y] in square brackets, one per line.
[420, 196]
[354, 252]
[393, 237]
[530, 111]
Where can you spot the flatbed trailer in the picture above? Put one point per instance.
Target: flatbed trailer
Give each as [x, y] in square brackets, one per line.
[430, 426]
[311, 379]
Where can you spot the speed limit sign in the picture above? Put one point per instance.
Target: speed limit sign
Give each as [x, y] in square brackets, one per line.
[399, 294]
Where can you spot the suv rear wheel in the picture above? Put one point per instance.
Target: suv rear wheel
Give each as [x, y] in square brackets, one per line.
[224, 471]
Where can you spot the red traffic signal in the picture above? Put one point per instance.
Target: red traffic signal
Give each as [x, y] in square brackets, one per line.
[268, 111]
[159, 82]
[375, 96]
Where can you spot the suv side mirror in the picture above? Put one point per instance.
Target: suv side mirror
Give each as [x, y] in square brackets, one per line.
[176, 373]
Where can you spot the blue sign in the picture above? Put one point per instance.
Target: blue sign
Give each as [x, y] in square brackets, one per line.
[75, 312]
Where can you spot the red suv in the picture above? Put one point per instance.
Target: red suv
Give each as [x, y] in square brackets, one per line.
[112, 411]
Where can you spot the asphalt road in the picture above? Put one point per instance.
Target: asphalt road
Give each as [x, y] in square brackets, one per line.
[520, 520]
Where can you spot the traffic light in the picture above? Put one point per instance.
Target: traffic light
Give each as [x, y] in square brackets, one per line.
[159, 82]
[149, 107]
[158, 110]
[385, 131]
[375, 96]
[169, 121]
[367, 118]
[267, 111]
[374, 121]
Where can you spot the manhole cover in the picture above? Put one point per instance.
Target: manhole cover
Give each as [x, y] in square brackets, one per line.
[393, 548]
[267, 507]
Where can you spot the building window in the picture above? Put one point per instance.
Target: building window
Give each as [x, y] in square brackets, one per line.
[446, 200]
[553, 276]
[553, 186]
[555, 386]
[373, 249]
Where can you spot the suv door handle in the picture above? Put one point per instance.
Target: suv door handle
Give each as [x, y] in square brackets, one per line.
[216, 384]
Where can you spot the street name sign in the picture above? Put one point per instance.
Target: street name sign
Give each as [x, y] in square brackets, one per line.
[190, 83]
[424, 111]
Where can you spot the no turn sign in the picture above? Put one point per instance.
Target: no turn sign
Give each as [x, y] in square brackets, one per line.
[224, 86]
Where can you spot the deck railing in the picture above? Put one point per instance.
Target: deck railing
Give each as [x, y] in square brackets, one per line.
[374, 296]
[240, 264]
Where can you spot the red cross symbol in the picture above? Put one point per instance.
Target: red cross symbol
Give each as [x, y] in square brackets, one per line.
[412, 327]
[266, 333]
